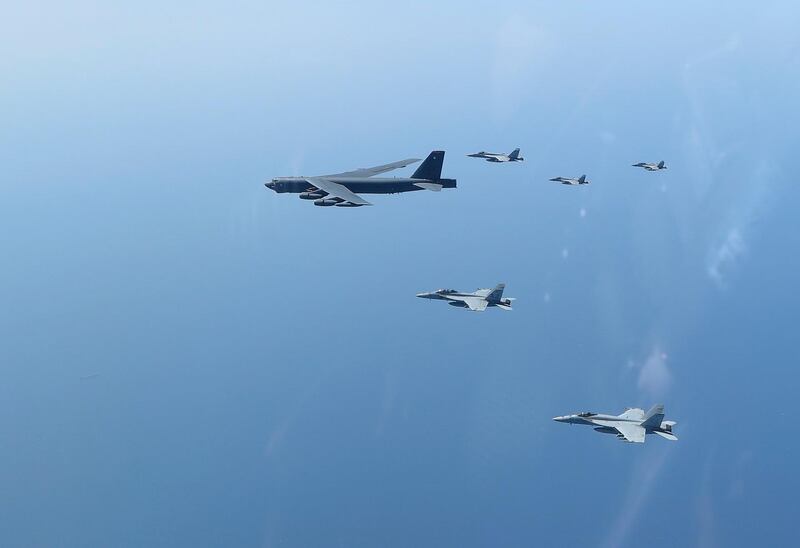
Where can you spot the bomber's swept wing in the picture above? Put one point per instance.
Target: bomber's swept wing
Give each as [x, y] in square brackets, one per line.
[336, 190]
[370, 171]
[631, 432]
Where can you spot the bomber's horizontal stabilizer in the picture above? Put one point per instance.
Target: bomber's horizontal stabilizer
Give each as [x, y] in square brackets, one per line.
[429, 186]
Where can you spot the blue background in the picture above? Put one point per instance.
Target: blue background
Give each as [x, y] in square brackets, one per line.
[260, 372]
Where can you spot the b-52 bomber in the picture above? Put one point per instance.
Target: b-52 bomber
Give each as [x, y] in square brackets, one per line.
[497, 157]
[343, 189]
[477, 301]
[569, 181]
[651, 167]
[631, 426]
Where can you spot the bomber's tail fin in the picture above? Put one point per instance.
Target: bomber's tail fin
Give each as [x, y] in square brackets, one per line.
[582, 179]
[515, 154]
[654, 417]
[431, 168]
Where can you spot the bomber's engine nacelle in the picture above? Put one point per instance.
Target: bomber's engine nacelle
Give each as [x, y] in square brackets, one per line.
[348, 204]
[326, 202]
[311, 195]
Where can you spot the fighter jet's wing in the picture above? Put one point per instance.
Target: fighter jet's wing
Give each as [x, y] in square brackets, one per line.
[631, 432]
[370, 171]
[628, 431]
[474, 303]
[336, 190]
[633, 413]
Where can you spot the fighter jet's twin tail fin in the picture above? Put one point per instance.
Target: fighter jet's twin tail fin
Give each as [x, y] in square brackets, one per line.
[653, 418]
[496, 294]
[582, 179]
[514, 154]
[431, 168]
[661, 164]
[655, 423]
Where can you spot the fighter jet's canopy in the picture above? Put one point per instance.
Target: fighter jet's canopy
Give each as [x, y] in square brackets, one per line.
[446, 291]
[586, 414]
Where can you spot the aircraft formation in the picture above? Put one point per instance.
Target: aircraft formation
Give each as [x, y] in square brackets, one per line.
[345, 189]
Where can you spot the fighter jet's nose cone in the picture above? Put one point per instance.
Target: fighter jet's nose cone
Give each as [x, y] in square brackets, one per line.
[422, 295]
[560, 419]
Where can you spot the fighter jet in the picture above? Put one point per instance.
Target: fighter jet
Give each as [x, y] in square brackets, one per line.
[512, 156]
[568, 181]
[477, 301]
[631, 426]
[651, 167]
[341, 189]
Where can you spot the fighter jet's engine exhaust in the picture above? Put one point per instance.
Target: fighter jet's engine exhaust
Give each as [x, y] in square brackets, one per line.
[665, 431]
[504, 304]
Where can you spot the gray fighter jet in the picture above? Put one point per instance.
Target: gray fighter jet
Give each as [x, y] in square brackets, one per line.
[477, 301]
[568, 181]
[651, 167]
[342, 189]
[512, 156]
[631, 426]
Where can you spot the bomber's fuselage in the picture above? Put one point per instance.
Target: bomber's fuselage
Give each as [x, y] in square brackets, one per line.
[359, 185]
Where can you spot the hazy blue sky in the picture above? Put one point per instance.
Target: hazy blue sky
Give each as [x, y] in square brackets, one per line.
[264, 375]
